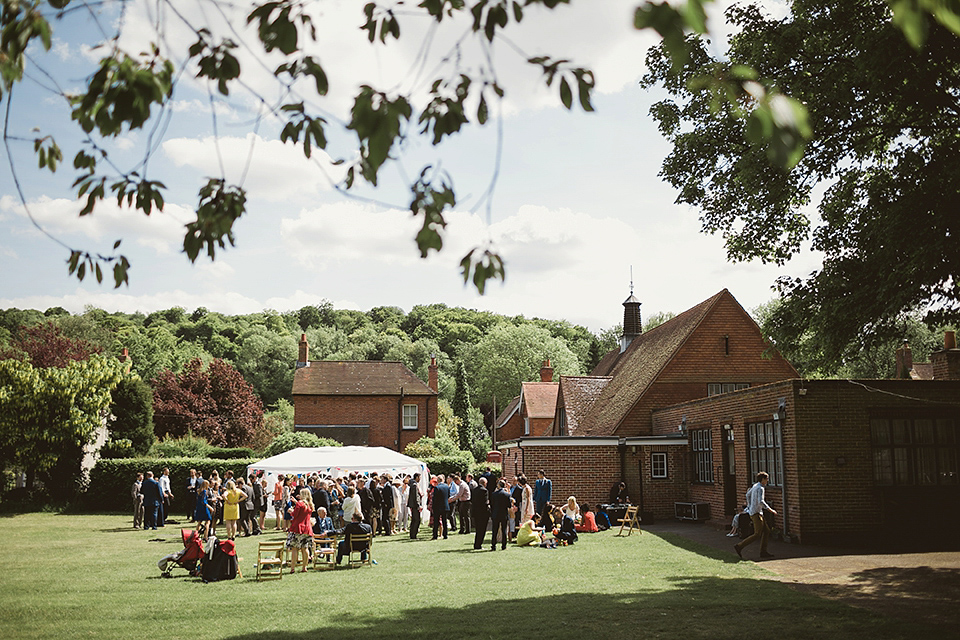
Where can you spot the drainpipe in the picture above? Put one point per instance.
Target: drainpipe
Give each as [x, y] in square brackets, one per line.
[622, 448]
[523, 461]
[400, 420]
[783, 490]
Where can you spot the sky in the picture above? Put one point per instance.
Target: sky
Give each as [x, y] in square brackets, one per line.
[577, 206]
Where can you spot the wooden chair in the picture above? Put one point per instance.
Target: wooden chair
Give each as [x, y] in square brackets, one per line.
[270, 560]
[325, 553]
[356, 547]
[631, 518]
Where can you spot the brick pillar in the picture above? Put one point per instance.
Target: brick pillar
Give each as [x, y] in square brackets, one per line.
[946, 363]
[303, 358]
[904, 360]
[546, 371]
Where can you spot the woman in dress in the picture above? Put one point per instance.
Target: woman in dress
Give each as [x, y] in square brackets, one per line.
[530, 533]
[203, 511]
[300, 535]
[527, 506]
[351, 504]
[232, 498]
[572, 509]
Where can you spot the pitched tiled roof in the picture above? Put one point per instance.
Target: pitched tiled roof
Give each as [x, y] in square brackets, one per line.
[607, 363]
[540, 398]
[358, 378]
[579, 394]
[506, 413]
[637, 368]
[922, 371]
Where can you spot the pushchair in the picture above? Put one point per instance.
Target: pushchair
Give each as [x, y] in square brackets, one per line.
[186, 559]
[219, 560]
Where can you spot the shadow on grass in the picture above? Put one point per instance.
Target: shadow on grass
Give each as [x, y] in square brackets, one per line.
[908, 593]
[699, 607]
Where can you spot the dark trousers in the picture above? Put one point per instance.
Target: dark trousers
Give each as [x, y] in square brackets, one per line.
[439, 520]
[414, 521]
[480, 521]
[452, 515]
[464, 507]
[499, 527]
[191, 503]
[342, 550]
[385, 521]
[151, 512]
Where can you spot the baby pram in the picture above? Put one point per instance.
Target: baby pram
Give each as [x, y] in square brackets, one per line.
[219, 561]
[187, 558]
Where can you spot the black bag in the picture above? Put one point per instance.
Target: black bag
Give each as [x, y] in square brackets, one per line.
[745, 525]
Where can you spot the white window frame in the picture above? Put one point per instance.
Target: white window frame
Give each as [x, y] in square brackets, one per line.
[407, 415]
[658, 465]
[526, 425]
[716, 388]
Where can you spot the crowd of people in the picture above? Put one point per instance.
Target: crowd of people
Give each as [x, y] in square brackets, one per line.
[308, 507]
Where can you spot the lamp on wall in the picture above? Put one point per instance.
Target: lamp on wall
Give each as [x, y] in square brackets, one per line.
[781, 412]
[683, 426]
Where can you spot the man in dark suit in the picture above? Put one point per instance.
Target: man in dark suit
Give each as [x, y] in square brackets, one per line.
[413, 503]
[441, 498]
[356, 528]
[366, 501]
[386, 504]
[480, 511]
[499, 511]
[256, 493]
[321, 497]
[542, 491]
[152, 499]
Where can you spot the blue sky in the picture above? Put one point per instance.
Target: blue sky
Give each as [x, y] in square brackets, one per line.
[577, 203]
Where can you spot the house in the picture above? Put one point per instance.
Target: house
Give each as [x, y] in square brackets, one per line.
[372, 403]
[530, 413]
[687, 414]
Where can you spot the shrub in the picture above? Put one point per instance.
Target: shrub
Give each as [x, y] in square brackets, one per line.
[288, 441]
[459, 463]
[111, 480]
[188, 446]
[476, 468]
[432, 448]
[225, 453]
[119, 448]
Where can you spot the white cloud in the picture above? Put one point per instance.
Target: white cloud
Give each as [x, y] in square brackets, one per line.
[271, 170]
[220, 269]
[161, 231]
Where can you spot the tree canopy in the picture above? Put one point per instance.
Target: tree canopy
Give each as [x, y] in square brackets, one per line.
[884, 154]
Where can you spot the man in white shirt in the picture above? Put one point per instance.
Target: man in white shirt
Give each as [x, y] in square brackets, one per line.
[755, 506]
[463, 506]
[167, 495]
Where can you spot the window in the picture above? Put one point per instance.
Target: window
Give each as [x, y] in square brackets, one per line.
[915, 451]
[526, 425]
[702, 446]
[764, 446]
[410, 416]
[658, 465]
[716, 388]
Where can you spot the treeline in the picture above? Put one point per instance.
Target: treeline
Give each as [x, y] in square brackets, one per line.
[498, 352]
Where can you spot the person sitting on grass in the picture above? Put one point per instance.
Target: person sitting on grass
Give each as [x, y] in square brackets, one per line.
[588, 524]
[530, 533]
[567, 534]
[356, 528]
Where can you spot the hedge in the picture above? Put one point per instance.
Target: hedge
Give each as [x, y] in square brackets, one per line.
[111, 480]
[459, 463]
[224, 453]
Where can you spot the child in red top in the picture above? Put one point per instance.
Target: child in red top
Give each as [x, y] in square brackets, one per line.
[589, 522]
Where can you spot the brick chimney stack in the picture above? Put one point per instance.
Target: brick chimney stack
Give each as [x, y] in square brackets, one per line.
[126, 360]
[303, 359]
[546, 371]
[946, 363]
[904, 360]
[433, 381]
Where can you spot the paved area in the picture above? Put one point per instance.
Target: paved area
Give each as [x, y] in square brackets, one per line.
[914, 586]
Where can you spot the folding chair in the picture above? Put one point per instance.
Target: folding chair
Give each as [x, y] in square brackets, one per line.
[270, 560]
[325, 553]
[631, 518]
[356, 545]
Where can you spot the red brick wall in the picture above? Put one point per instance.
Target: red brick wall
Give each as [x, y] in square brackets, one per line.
[827, 454]
[708, 357]
[512, 430]
[382, 413]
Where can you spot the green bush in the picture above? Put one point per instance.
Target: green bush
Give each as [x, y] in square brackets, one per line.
[288, 441]
[476, 468]
[432, 448]
[459, 463]
[188, 446]
[226, 453]
[119, 448]
[111, 480]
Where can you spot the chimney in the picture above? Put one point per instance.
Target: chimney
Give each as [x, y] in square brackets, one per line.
[303, 360]
[632, 327]
[946, 363]
[125, 359]
[546, 371]
[432, 379]
[904, 360]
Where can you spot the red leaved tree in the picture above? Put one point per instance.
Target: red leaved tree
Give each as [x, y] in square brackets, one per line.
[44, 345]
[215, 403]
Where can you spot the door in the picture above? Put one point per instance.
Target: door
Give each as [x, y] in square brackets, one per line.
[730, 505]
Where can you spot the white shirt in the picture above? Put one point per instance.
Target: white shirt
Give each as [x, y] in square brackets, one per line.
[755, 501]
[350, 506]
[165, 484]
[464, 494]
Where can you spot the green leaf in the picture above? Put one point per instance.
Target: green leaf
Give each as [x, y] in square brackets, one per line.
[566, 96]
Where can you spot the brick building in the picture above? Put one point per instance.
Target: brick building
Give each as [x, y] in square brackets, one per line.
[372, 403]
[531, 413]
[690, 411]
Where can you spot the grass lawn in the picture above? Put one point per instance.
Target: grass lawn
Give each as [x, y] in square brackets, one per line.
[69, 576]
